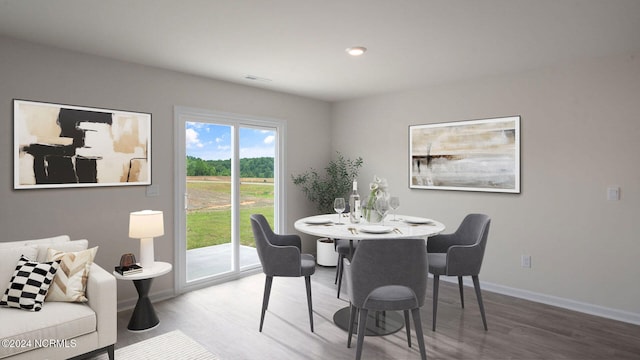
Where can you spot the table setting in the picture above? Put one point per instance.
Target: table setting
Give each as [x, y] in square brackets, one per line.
[405, 226]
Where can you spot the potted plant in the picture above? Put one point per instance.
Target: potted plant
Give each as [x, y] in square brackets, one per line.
[335, 183]
[323, 189]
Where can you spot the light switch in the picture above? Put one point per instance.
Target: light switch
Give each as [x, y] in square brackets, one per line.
[613, 193]
[153, 190]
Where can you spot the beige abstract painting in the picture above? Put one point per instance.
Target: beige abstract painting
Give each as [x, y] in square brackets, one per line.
[73, 146]
[474, 155]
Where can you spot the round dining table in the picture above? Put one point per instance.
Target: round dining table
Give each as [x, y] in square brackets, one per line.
[334, 226]
[403, 227]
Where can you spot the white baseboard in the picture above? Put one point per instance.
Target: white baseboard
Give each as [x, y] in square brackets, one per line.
[609, 313]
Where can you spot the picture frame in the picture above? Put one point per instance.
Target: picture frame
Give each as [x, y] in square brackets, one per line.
[64, 146]
[472, 155]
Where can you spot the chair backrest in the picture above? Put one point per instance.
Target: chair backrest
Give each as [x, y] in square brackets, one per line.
[474, 230]
[383, 262]
[258, 226]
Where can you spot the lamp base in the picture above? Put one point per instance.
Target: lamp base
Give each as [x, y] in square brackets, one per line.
[146, 253]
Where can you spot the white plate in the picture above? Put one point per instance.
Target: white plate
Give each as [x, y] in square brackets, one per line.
[318, 221]
[417, 220]
[376, 229]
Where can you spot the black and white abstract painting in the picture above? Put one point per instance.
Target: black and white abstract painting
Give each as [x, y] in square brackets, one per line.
[473, 155]
[72, 146]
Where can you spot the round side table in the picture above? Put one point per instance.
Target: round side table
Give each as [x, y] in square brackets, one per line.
[144, 316]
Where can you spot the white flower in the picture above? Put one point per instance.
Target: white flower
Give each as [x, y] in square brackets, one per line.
[378, 186]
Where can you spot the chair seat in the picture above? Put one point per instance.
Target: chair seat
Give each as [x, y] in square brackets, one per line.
[437, 263]
[391, 297]
[308, 264]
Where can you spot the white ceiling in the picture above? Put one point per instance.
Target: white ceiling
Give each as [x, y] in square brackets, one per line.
[299, 44]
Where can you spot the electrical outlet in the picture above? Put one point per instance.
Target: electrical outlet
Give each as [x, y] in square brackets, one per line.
[525, 261]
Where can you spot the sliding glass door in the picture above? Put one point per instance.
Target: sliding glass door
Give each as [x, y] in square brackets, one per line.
[228, 169]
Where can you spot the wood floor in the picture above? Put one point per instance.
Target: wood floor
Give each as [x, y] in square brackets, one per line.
[225, 318]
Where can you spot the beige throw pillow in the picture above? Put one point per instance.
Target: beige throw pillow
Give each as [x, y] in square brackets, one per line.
[70, 282]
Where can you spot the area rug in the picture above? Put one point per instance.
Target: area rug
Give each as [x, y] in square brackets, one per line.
[171, 345]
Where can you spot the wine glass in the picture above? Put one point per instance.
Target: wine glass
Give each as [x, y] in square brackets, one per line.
[339, 206]
[394, 202]
[382, 207]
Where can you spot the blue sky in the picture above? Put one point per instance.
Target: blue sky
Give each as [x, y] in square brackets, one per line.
[213, 142]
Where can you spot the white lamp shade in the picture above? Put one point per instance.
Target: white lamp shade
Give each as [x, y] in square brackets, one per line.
[146, 224]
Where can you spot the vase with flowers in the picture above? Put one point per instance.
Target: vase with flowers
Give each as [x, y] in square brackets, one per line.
[378, 189]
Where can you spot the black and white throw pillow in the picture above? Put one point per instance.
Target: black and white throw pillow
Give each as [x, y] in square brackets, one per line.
[29, 284]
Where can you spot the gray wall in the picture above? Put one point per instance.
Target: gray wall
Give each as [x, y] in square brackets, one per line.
[100, 215]
[580, 134]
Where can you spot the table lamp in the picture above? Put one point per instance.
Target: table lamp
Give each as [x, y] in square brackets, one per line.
[145, 225]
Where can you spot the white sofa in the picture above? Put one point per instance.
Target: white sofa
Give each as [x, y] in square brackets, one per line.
[60, 330]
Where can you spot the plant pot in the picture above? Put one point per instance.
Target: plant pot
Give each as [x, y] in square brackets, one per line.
[326, 252]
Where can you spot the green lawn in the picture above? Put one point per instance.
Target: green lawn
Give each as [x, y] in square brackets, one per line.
[210, 223]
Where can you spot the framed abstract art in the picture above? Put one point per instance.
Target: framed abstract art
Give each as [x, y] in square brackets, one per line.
[474, 155]
[58, 146]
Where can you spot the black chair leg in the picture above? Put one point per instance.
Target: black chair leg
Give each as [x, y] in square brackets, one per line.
[307, 280]
[339, 283]
[265, 298]
[353, 311]
[417, 323]
[436, 283]
[476, 285]
[362, 328]
[339, 267]
[461, 291]
[407, 326]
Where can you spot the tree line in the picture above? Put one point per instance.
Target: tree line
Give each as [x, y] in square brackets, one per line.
[250, 167]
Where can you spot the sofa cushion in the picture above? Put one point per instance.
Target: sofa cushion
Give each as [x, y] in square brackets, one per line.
[29, 284]
[70, 282]
[49, 240]
[56, 321]
[9, 257]
[67, 246]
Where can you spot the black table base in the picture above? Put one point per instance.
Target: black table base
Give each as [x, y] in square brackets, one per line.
[144, 316]
[378, 323]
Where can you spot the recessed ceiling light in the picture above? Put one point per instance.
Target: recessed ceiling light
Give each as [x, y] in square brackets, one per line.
[356, 50]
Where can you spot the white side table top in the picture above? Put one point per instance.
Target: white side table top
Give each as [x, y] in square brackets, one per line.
[159, 268]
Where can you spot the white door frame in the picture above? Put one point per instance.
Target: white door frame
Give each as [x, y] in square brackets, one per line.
[183, 114]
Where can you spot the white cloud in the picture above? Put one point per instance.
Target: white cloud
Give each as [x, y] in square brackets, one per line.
[192, 139]
[269, 139]
[256, 152]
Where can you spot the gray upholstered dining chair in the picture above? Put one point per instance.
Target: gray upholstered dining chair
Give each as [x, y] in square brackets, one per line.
[280, 255]
[387, 275]
[459, 254]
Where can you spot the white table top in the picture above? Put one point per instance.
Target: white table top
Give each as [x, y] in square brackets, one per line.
[158, 268]
[310, 225]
